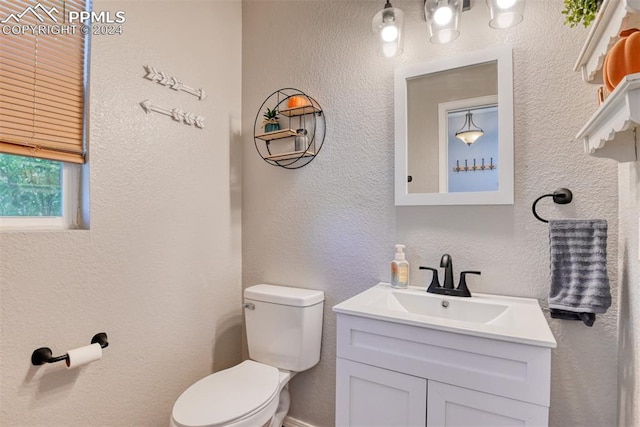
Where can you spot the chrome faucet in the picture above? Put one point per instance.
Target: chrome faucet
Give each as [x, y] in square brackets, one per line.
[462, 290]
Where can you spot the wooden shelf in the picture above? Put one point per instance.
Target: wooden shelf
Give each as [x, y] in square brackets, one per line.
[276, 134]
[617, 118]
[299, 111]
[611, 131]
[290, 155]
[613, 16]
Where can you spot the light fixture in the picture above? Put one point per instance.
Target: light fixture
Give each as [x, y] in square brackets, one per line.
[469, 135]
[505, 13]
[388, 24]
[442, 19]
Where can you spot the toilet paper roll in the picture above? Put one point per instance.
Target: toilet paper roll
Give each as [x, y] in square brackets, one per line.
[83, 355]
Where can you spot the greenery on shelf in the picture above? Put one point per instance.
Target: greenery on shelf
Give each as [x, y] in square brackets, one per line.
[270, 117]
[580, 11]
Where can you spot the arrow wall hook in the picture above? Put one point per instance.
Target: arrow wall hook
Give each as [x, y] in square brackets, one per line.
[176, 114]
[172, 82]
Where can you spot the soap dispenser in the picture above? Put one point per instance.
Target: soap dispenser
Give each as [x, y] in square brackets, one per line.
[400, 269]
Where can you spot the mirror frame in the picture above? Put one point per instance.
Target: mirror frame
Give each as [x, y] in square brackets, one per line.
[504, 196]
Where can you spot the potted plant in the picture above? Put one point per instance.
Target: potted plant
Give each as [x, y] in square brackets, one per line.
[270, 122]
[580, 11]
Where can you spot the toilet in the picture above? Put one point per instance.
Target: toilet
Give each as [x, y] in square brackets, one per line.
[284, 330]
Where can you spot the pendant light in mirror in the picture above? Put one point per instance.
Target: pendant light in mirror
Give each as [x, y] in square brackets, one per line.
[469, 132]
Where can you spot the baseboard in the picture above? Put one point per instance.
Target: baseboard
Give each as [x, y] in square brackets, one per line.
[292, 422]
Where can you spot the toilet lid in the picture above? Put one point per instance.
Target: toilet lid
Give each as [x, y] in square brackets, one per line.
[227, 395]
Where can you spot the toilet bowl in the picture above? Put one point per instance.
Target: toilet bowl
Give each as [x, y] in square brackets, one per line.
[284, 329]
[246, 395]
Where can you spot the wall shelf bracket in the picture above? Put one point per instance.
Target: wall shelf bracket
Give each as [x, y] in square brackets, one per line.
[617, 118]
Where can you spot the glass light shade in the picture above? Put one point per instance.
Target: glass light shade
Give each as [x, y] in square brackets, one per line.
[505, 13]
[442, 19]
[388, 24]
[468, 134]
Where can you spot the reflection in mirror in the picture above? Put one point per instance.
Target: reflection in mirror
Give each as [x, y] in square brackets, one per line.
[457, 154]
[440, 105]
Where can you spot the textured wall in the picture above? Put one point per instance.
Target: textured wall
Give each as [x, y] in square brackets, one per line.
[629, 296]
[333, 223]
[159, 270]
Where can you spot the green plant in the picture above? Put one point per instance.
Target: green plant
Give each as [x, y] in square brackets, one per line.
[580, 11]
[271, 114]
[270, 117]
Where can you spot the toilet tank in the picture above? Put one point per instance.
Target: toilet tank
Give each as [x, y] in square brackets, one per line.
[284, 325]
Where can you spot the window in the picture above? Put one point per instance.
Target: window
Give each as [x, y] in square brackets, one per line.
[38, 193]
[42, 92]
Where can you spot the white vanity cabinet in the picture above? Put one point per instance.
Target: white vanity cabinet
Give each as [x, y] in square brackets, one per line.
[370, 396]
[392, 374]
[453, 406]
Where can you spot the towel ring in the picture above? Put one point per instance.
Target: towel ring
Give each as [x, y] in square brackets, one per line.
[561, 196]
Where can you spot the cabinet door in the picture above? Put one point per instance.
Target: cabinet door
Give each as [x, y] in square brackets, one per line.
[453, 406]
[367, 396]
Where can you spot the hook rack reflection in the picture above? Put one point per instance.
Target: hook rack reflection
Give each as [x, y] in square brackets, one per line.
[475, 167]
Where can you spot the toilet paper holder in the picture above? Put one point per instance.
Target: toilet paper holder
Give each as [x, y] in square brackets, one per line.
[43, 355]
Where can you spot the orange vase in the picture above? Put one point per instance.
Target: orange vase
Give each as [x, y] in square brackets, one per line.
[297, 101]
[623, 58]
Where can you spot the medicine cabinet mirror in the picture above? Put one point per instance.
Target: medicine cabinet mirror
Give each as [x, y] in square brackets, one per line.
[436, 100]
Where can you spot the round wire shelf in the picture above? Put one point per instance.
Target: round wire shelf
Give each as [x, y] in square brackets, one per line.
[292, 138]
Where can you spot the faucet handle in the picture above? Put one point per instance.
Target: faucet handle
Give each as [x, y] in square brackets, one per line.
[462, 285]
[435, 282]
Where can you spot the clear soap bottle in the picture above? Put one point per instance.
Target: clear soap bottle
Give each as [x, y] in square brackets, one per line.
[400, 269]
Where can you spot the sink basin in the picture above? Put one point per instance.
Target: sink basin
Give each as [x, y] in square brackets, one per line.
[493, 316]
[474, 310]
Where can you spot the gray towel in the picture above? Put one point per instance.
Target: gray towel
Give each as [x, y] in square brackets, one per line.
[579, 280]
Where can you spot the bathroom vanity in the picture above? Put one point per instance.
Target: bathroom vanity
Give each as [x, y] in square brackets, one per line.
[408, 358]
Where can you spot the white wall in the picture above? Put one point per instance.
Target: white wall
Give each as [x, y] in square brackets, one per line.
[629, 296]
[159, 270]
[332, 224]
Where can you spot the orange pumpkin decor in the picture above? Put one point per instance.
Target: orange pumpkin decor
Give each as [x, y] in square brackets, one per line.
[623, 58]
[297, 101]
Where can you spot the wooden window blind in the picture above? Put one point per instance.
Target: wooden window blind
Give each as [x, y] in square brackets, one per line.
[42, 73]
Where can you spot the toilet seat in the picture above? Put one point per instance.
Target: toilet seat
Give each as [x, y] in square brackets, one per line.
[227, 396]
